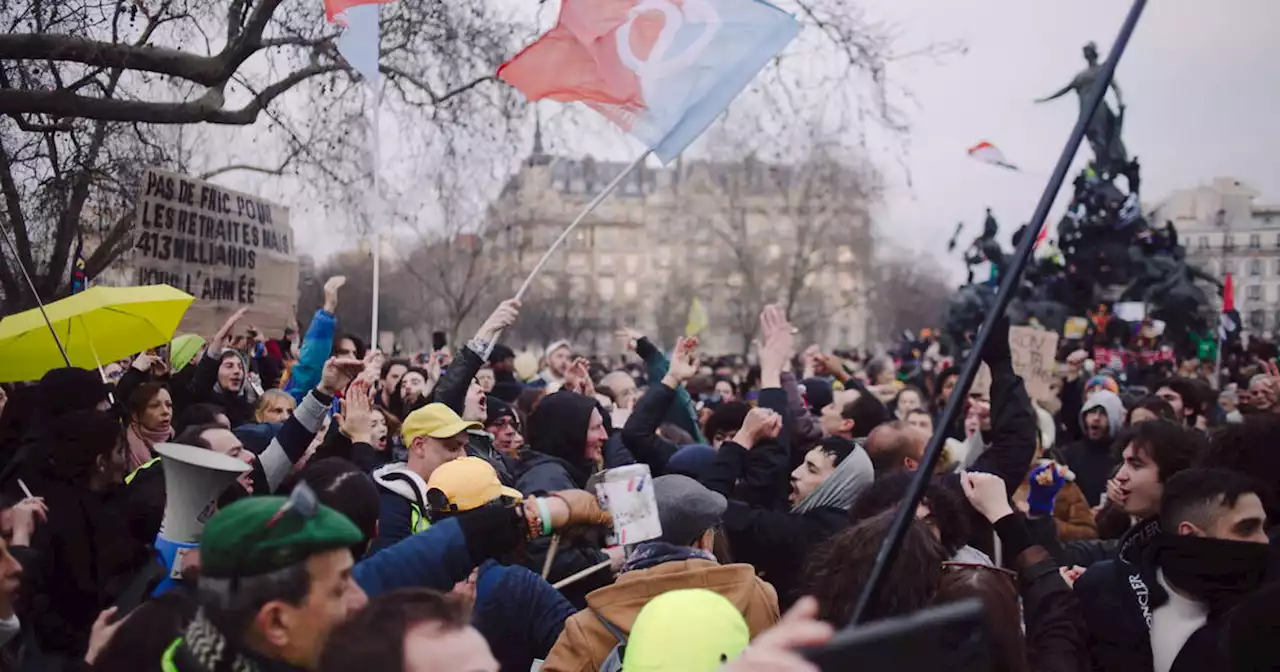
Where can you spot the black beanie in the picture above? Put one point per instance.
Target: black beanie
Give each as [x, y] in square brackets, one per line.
[64, 390]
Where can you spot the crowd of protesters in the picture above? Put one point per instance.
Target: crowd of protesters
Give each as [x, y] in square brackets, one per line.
[438, 512]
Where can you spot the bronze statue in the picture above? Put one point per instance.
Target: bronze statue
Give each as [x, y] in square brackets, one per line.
[1104, 129]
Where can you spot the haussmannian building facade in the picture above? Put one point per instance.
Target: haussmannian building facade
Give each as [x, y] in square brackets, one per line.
[668, 235]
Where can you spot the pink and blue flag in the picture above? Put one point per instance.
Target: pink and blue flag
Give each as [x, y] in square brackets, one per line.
[361, 33]
[663, 70]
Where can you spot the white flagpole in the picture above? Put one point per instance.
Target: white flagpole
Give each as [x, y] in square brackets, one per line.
[377, 216]
[582, 215]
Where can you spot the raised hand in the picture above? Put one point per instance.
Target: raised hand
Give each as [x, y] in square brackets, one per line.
[373, 360]
[356, 419]
[779, 344]
[19, 521]
[987, 494]
[331, 287]
[684, 361]
[219, 341]
[629, 338]
[338, 373]
[502, 317]
[577, 378]
[760, 423]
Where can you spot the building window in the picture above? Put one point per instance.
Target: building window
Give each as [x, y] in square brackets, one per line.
[1257, 319]
[629, 289]
[1255, 267]
[1229, 242]
[1202, 242]
[605, 287]
[1255, 241]
[1277, 268]
[1254, 293]
[1278, 240]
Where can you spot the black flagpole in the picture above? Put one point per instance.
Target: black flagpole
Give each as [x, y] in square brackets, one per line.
[906, 510]
[18, 260]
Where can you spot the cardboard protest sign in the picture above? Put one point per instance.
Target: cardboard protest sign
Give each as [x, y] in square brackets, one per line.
[228, 249]
[1034, 358]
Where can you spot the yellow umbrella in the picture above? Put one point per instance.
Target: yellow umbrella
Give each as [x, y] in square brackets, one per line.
[96, 326]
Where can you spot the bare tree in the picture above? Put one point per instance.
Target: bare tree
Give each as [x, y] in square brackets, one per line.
[908, 293]
[87, 87]
[799, 235]
[356, 297]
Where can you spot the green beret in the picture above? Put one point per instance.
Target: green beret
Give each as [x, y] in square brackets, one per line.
[237, 541]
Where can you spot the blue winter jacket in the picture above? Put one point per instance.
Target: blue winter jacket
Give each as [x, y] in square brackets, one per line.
[437, 558]
[314, 353]
[519, 614]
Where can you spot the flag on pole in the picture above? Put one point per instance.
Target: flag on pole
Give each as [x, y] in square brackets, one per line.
[697, 322]
[663, 70]
[1228, 294]
[361, 34]
[1229, 323]
[989, 153]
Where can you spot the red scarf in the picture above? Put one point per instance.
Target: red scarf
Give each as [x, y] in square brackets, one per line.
[141, 440]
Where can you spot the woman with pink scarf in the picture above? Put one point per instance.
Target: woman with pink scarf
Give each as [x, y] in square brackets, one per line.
[150, 422]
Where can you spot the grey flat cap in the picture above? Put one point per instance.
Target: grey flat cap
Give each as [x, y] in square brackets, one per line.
[686, 508]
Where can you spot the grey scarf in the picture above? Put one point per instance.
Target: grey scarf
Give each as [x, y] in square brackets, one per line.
[843, 485]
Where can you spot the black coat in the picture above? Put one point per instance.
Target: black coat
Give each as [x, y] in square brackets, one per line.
[1117, 598]
[1013, 445]
[87, 555]
[762, 530]
[1055, 631]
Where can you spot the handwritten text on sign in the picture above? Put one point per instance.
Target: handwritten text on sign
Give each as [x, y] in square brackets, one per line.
[1034, 351]
[226, 248]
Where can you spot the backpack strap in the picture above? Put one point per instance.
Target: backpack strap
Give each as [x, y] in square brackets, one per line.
[613, 663]
[613, 629]
[417, 493]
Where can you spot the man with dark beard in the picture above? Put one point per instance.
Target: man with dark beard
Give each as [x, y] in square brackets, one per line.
[1161, 608]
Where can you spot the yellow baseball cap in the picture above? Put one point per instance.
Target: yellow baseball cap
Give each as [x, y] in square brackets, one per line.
[436, 421]
[464, 484]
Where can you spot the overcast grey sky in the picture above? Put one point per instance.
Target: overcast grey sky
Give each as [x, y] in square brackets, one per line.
[1199, 79]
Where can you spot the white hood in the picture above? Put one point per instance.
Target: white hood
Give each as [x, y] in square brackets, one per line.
[398, 478]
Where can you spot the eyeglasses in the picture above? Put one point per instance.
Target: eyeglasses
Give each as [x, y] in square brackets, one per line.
[953, 566]
[507, 421]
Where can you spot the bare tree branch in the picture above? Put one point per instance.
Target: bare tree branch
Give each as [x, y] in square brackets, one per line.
[278, 170]
[207, 108]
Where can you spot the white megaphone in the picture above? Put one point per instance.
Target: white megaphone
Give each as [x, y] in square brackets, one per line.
[194, 480]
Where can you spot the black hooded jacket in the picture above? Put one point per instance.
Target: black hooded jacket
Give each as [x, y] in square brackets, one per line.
[557, 458]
